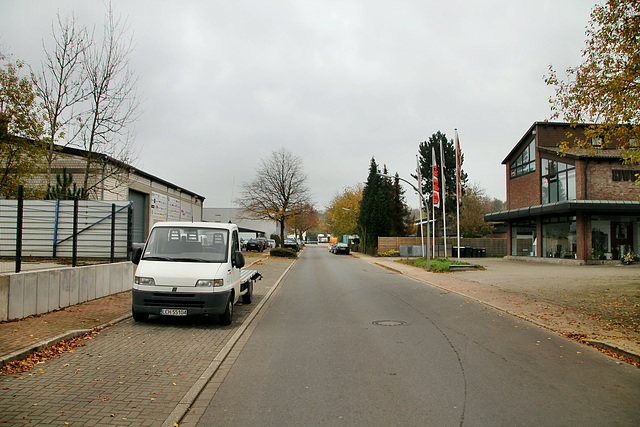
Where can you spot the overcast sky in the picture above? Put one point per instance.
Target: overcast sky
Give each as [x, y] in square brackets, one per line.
[336, 82]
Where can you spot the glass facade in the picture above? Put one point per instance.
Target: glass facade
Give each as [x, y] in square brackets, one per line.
[526, 161]
[523, 238]
[559, 238]
[558, 181]
[613, 236]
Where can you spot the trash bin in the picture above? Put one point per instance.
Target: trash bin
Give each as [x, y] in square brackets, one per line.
[483, 252]
[455, 252]
[468, 251]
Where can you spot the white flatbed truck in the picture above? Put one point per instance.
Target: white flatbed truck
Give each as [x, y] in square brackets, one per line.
[189, 269]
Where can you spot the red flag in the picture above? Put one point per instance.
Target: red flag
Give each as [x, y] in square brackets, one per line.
[458, 166]
[436, 185]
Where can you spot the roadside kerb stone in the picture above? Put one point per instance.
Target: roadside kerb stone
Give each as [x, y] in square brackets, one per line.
[131, 373]
[552, 296]
[181, 410]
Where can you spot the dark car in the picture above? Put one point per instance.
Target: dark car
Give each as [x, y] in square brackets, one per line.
[255, 245]
[341, 248]
[291, 244]
[263, 241]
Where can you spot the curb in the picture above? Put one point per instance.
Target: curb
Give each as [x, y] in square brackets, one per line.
[596, 344]
[25, 351]
[181, 410]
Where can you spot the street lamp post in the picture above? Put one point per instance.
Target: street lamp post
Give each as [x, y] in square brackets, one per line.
[426, 209]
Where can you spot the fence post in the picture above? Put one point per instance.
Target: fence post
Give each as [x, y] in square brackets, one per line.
[74, 254]
[113, 232]
[19, 228]
[129, 231]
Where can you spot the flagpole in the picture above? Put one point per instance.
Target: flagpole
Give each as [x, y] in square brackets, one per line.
[458, 189]
[420, 206]
[444, 199]
[435, 184]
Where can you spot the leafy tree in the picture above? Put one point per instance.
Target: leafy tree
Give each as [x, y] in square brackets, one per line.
[473, 207]
[449, 173]
[342, 213]
[374, 213]
[305, 220]
[278, 192]
[22, 151]
[605, 88]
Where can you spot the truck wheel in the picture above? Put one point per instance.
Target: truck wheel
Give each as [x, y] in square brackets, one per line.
[246, 298]
[139, 317]
[227, 317]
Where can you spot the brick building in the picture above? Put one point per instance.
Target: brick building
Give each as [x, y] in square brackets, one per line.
[583, 205]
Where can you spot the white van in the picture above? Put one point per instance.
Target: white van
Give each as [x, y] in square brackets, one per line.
[191, 268]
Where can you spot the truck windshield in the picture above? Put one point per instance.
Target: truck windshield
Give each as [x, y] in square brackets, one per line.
[187, 244]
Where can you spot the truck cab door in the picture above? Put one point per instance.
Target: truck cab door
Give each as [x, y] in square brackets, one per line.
[235, 261]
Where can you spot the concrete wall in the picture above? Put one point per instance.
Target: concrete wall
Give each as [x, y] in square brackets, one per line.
[37, 292]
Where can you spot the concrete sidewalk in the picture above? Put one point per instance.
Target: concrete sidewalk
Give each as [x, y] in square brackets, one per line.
[597, 304]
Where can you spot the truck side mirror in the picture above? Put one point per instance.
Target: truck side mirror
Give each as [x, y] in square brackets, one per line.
[137, 254]
[238, 259]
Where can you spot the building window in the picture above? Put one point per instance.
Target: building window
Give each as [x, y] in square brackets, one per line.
[558, 181]
[614, 236]
[559, 238]
[526, 161]
[523, 238]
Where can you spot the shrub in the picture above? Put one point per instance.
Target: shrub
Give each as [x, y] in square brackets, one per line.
[391, 253]
[437, 265]
[283, 253]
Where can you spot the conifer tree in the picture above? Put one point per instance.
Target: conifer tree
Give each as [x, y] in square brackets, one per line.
[375, 208]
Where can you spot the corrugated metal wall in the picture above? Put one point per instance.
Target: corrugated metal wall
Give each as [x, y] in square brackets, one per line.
[47, 222]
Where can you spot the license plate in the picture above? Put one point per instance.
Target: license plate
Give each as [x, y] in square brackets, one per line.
[173, 312]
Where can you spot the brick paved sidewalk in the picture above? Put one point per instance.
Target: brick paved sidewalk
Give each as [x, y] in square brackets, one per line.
[130, 374]
[36, 332]
[20, 337]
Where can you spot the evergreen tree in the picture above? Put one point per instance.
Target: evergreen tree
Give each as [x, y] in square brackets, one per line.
[449, 172]
[374, 218]
[400, 212]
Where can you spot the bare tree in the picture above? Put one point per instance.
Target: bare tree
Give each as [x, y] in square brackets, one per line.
[279, 191]
[113, 104]
[61, 85]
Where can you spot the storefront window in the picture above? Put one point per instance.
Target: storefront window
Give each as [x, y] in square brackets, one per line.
[614, 236]
[559, 237]
[523, 238]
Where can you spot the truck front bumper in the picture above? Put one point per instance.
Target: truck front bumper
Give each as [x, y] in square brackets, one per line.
[196, 303]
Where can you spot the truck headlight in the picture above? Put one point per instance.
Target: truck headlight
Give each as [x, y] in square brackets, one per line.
[208, 283]
[146, 281]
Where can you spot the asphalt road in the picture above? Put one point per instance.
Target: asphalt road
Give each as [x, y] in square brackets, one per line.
[344, 342]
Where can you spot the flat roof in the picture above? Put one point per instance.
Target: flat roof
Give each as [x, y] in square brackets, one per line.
[566, 207]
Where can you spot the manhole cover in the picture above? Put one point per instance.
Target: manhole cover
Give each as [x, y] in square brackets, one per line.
[389, 323]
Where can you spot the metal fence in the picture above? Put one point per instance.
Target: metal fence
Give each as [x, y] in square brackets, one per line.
[64, 229]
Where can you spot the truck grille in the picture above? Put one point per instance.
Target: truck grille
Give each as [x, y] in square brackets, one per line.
[173, 300]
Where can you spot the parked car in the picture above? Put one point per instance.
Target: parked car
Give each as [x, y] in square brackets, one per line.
[291, 244]
[263, 241]
[272, 243]
[255, 245]
[341, 248]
